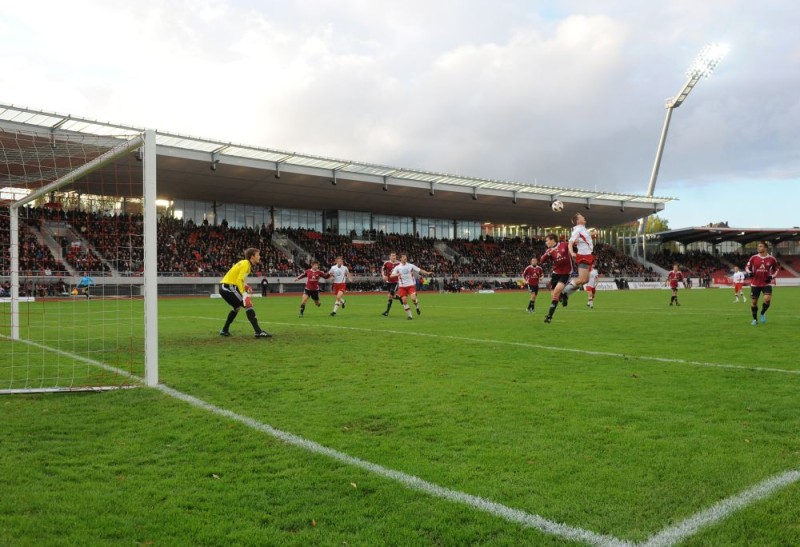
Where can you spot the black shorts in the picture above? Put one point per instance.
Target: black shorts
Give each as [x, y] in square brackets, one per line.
[755, 292]
[559, 278]
[534, 288]
[232, 295]
[392, 288]
[312, 294]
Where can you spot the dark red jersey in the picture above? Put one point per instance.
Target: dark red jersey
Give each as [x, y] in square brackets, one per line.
[312, 278]
[674, 278]
[762, 269]
[559, 254]
[532, 274]
[388, 266]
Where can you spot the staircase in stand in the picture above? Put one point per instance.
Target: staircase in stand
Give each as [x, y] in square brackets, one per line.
[46, 236]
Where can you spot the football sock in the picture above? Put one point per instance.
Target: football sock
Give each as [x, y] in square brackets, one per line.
[302, 309]
[530, 305]
[408, 309]
[232, 316]
[389, 304]
[764, 308]
[251, 316]
[553, 306]
[336, 307]
[570, 288]
[754, 310]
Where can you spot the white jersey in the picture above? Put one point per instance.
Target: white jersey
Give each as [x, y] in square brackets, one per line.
[405, 273]
[339, 273]
[738, 277]
[583, 238]
[594, 275]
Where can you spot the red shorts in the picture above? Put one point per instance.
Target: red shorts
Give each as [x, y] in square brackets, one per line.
[584, 259]
[339, 287]
[406, 291]
[589, 289]
[738, 287]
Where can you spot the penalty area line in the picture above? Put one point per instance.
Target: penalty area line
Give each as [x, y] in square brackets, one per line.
[721, 510]
[666, 360]
[412, 482]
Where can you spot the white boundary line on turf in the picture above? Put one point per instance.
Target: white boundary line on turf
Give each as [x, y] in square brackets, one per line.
[412, 482]
[667, 537]
[721, 510]
[534, 346]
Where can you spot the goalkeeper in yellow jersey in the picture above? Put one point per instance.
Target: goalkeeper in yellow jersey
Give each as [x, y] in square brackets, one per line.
[233, 289]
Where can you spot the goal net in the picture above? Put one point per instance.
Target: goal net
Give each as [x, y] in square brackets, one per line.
[76, 297]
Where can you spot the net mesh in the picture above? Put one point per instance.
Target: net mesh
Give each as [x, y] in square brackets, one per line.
[80, 245]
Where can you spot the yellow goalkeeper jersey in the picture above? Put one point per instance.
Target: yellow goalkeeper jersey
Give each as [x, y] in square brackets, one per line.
[237, 274]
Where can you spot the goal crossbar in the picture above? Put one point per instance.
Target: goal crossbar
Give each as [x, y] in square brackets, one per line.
[148, 297]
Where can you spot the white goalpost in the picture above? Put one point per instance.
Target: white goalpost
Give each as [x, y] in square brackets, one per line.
[78, 260]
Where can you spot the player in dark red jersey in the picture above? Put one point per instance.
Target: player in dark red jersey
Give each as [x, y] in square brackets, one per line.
[673, 278]
[311, 289]
[762, 268]
[558, 253]
[531, 275]
[390, 280]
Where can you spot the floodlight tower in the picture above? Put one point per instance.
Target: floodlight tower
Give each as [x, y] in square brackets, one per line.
[702, 67]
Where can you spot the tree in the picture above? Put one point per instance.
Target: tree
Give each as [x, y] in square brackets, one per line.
[656, 224]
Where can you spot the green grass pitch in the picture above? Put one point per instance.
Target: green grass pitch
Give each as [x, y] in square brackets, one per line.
[623, 420]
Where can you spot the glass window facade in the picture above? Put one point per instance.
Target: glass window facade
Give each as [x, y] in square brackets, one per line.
[354, 222]
[393, 225]
[468, 229]
[342, 222]
[298, 218]
[436, 228]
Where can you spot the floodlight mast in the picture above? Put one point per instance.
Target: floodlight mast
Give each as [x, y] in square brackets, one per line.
[702, 67]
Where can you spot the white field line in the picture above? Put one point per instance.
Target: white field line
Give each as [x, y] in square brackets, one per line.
[527, 345]
[667, 537]
[410, 481]
[721, 510]
[99, 364]
[600, 309]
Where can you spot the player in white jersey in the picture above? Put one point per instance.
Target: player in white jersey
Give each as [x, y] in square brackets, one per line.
[341, 275]
[591, 286]
[738, 283]
[407, 285]
[580, 246]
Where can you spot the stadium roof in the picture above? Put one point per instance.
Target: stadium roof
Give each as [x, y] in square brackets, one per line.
[204, 169]
[714, 235]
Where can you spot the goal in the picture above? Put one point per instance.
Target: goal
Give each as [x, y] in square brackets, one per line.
[78, 283]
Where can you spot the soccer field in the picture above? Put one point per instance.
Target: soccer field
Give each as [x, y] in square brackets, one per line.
[475, 423]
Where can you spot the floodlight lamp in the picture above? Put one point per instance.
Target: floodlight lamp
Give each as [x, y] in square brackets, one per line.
[707, 60]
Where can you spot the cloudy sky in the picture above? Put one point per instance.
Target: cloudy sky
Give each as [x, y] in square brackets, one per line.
[557, 92]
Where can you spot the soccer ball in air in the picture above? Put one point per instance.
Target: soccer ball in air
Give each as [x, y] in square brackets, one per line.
[557, 206]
